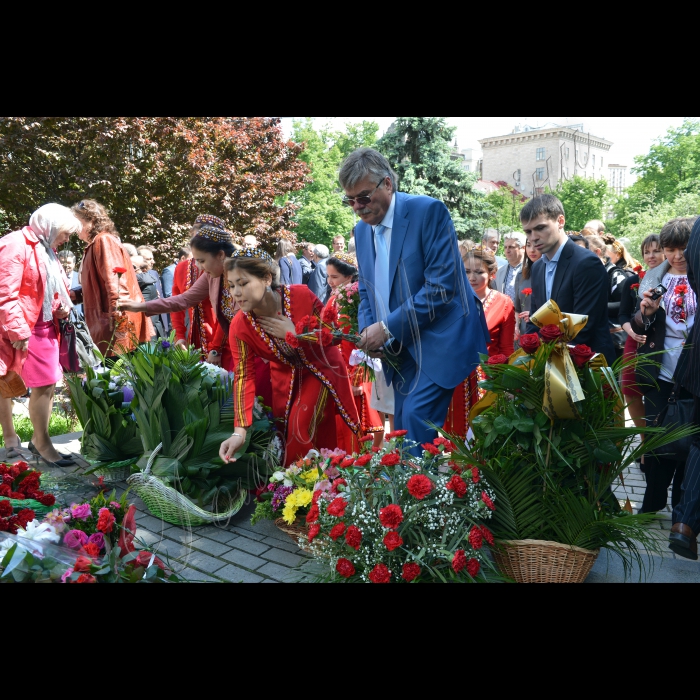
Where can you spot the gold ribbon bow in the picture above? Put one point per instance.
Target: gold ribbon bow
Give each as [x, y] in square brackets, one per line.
[562, 387]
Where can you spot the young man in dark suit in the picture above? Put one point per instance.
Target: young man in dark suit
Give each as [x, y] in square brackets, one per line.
[686, 516]
[571, 276]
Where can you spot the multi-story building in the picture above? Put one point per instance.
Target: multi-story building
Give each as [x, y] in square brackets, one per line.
[617, 177]
[534, 159]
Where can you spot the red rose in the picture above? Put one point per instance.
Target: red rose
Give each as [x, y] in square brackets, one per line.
[550, 334]
[431, 449]
[473, 568]
[92, 550]
[82, 566]
[634, 287]
[411, 572]
[476, 475]
[106, 521]
[476, 538]
[380, 575]
[393, 541]
[527, 292]
[314, 515]
[420, 487]
[6, 509]
[459, 563]
[498, 360]
[487, 535]
[364, 461]
[391, 460]
[487, 500]
[391, 517]
[119, 270]
[86, 579]
[337, 532]
[337, 508]
[397, 434]
[314, 532]
[345, 568]
[354, 538]
[457, 484]
[292, 340]
[582, 355]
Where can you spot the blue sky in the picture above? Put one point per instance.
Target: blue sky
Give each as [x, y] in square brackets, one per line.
[632, 136]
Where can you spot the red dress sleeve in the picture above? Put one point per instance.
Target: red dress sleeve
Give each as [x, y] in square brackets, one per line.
[243, 380]
[179, 283]
[506, 340]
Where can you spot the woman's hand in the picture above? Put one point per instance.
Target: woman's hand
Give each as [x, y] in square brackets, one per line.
[232, 445]
[134, 307]
[524, 316]
[648, 306]
[61, 313]
[357, 391]
[181, 343]
[214, 359]
[21, 345]
[641, 339]
[277, 327]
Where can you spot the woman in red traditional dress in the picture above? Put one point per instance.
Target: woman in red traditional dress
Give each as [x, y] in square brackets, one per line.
[342, 271]
[481, 268]
[309, 386]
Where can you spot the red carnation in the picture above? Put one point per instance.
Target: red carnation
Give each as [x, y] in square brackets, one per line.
[473, 568]
[681, 289]
[391, 517]
[476, 475]
[391, 460]
[411, 572]
[6, 509]
[642, 275]
[639, 269]
[345, 568]
[106, 521]
[459, 563]
[393, 541]
[337, 532]
[476, 538]
[376, 450]
[329, 315]
[487, 500]
[367, 438]
[380, 575]
[302, 326]
[487, 535]
[582, 355]
[420, 487]
[292, 340]
[527, 292]
[92, 550]
[354, 538]
[431, 449]
[119, 270]
[82, 566]
[634, 287]
[337, 484]
[530, 343]
[314, 532]
[314, 515]
[86, 579]
[25, 517]
[47, 500]
[457, 484]
[550, 334]
[5, 491]
[397, 434]
[314, 323]
[326, 338]
[498, 360]
[364, 461]
[347, 462]
[337, 508]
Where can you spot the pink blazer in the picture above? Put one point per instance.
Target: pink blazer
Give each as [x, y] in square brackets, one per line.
[22, 285]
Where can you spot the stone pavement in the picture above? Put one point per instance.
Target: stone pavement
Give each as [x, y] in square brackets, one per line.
[237, 552]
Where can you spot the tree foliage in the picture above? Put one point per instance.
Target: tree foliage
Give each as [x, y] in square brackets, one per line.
[506, 203]
[584, 200]
[322, 215]
[155, 174]
[420, 150]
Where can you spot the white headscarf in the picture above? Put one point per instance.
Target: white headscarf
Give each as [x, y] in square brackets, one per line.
[47, 222]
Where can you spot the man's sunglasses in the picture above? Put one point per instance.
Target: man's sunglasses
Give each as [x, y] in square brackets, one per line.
[362, 201]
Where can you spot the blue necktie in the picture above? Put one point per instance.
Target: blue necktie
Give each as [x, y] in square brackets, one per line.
[381, 275]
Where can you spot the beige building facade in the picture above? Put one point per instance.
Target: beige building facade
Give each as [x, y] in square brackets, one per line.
[532, 160]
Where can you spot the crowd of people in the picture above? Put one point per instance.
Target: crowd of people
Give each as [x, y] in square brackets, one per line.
[424, 295]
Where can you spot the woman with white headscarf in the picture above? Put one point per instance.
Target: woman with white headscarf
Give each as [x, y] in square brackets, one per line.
[33, 297]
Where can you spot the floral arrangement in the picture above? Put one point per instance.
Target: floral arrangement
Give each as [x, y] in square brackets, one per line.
[392, 518]
[21, 486]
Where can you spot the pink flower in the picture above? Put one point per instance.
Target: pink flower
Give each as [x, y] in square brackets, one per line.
[332, 472]
[66, 576]
[97, 539]
[75, 539]
[115, 505]
[81, 512]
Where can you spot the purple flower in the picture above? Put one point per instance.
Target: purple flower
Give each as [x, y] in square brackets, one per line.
[166, 345]
[81, 512]
[128, 394]
[98, 539]
[332, 472]
[281, 496]
[75, 539]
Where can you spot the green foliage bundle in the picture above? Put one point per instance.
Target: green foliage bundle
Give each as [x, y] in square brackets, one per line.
[584, 200]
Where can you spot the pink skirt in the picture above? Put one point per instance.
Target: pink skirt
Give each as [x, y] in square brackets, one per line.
[42, 367]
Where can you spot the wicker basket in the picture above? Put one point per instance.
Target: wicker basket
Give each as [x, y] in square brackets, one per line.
[297, 531]
[114, 472]
[531, 561]
[171, 506]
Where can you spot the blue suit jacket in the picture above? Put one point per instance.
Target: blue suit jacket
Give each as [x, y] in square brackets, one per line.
[433, 312]
[581, 286]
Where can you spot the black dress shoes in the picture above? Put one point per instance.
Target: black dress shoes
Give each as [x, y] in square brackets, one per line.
[684, 542]
[64, 462]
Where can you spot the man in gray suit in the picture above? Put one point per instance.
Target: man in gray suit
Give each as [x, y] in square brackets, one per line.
[686, 516]
[515, 253]
[318, 283]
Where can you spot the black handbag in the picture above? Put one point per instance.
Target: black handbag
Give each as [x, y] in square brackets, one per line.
[77, 346]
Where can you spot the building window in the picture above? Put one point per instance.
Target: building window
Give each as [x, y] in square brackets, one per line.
[540, 173]
[541, 154]
[594, 162]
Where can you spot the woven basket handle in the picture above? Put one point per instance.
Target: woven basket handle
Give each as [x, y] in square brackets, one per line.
[152, 458]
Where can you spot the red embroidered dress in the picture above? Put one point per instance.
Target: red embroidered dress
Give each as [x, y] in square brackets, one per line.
[370, 420]
[500, 317]
[310, 384]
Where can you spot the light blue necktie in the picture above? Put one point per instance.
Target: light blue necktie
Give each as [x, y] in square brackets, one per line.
[381, 274]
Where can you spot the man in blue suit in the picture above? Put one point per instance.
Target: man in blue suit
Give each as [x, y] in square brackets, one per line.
[416, 303]
[571, 276]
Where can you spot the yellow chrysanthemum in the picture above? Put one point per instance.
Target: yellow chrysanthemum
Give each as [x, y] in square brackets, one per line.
[311, 477]
[289, 514]
[304, 497]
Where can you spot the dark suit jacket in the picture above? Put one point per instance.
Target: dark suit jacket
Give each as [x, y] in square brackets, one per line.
[692, 254]
[581, 286]
[318, 283]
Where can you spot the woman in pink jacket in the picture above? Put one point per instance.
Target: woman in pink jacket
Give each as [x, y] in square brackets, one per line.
[33, 296]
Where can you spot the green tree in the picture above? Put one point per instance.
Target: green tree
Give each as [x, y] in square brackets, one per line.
[420, 150]
[321, 215]
[506, 203]
[584, 200]
[4, 223]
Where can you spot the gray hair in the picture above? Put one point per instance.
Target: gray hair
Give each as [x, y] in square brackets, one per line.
[520, 238]
[363, 163]
[352, 247]
[322, 251]
[490, 233]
